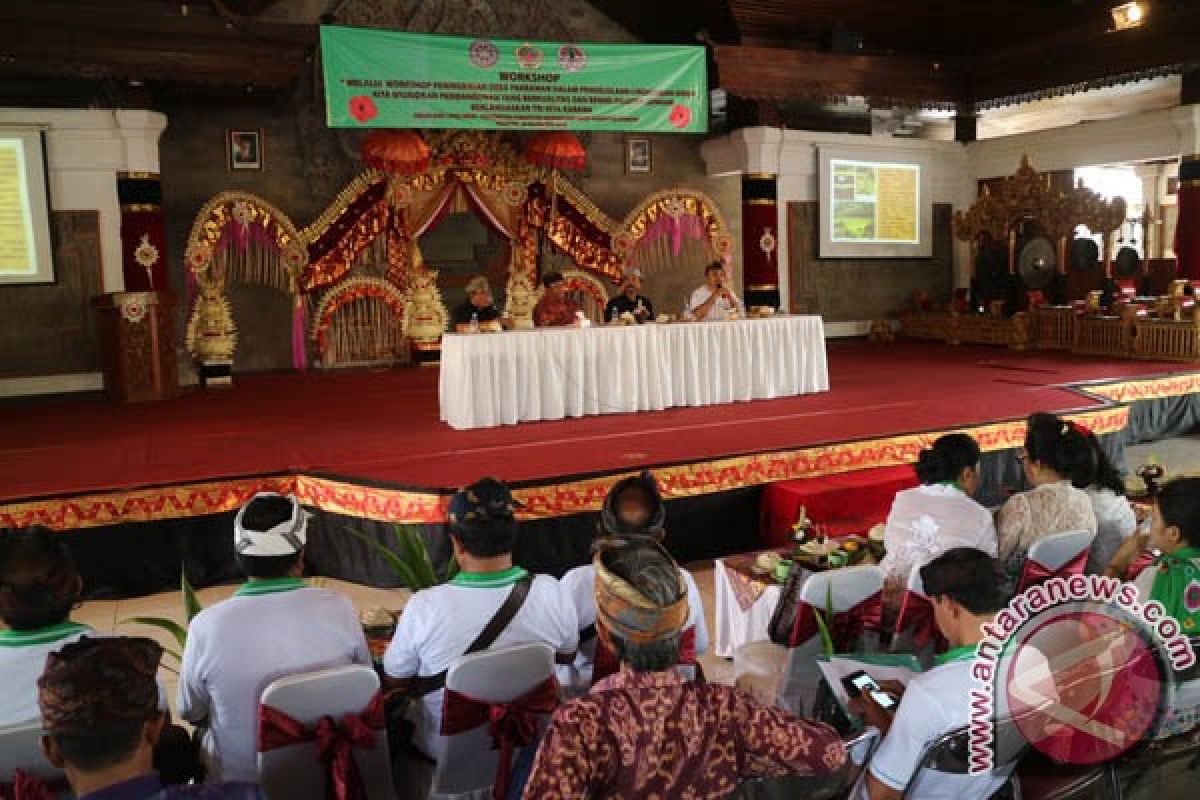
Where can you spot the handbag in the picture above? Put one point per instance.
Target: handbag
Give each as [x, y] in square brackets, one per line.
[783, 618]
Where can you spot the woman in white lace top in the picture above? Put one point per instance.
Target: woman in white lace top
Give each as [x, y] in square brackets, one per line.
[1055, 452]
[939, 515]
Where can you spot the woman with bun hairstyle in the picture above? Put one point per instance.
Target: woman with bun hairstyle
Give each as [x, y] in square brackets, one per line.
[1055, 454]
[938, 515]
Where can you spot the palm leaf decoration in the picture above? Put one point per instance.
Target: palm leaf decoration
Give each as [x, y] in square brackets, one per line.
[409, 560]
[191, 607]
[823, 626]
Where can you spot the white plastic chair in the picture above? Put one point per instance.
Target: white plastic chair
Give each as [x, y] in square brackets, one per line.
[467, 764]
[842, 589]
[296, 772]
[904, 640]
[21, 749]
[1053, 552]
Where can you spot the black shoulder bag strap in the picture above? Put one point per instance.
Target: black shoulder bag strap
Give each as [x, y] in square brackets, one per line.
[425, 684]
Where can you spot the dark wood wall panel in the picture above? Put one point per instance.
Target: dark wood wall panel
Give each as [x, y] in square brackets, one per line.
[50, 330]
[845, 289]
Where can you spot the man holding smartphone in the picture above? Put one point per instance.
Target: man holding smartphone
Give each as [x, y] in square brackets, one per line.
[967, 590]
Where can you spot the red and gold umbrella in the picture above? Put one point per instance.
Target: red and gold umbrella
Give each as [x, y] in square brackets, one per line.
[401, 152]
[556, 150]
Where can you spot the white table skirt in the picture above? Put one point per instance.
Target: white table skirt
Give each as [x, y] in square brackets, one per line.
[735, 627]
[553, 373]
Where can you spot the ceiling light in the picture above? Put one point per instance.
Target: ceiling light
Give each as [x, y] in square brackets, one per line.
[1129, 15]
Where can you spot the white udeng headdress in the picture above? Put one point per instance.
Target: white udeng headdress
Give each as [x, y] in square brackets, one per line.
[285, 539]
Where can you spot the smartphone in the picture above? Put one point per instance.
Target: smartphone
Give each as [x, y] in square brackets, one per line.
[885, 700]
[858, 682]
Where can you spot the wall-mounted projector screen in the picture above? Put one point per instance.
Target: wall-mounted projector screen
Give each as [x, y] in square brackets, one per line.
[873, 204]
[25, 255]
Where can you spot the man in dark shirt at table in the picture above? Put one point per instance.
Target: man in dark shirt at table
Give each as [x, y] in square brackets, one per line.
[629, 301]
[479, 303]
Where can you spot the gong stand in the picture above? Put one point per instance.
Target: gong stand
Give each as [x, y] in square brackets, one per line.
[1027, 196]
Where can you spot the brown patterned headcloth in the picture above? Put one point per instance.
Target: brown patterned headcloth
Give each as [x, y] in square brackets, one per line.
[95, 682]
[623, 607]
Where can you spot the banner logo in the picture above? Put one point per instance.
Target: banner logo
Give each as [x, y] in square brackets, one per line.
[529, 56]
[483, 54]
[572, 58]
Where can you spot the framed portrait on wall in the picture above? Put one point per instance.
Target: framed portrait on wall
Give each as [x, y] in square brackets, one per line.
[638, 157]
[245, 149]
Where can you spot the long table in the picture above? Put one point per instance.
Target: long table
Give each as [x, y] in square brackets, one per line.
[554, 373]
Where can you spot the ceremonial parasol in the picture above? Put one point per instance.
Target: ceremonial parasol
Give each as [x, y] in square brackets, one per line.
[400, 152]
[556, 150]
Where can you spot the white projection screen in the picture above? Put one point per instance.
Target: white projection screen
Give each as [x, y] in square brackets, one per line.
[874, 204]
[25, 254]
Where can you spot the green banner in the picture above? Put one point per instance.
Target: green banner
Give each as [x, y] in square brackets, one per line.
[384, 79]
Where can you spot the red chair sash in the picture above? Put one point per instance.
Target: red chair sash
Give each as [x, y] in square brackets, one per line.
[847, 628]
[511, 725]
[605, 661]
[1144, 559]
[26, 786]
[916, 617]
[1033, 573]
[336, 742]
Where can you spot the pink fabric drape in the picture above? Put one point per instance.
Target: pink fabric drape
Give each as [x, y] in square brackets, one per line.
[845, 628]
[1033, 573]
[299, 326]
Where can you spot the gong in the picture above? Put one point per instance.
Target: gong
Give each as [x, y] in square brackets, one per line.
[1084, 254]
[1037, 263]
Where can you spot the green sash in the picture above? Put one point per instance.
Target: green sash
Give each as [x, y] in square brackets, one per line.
[1177, 586]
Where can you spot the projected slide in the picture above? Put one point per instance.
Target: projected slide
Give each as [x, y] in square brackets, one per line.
[25, 255]
[874, 203]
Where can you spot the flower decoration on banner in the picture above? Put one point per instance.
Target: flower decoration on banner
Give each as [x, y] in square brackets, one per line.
[363, 108]
[680, 116]
[1191, 597]
[401, 152]
[146, 254]
[242, 213]
[767, 243]
[556, 150]
[514, 194]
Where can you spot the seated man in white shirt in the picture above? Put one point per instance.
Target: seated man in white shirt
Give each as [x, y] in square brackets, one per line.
[274, 625]
[633, 508]
[444, 622]
[715, 300]
[967, 589]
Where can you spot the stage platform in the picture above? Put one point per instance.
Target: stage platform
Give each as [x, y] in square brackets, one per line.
[369, 444]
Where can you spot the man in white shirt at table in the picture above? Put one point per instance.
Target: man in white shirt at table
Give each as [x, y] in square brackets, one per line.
[715, 300]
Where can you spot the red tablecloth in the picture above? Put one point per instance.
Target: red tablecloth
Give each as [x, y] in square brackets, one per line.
[850, 502]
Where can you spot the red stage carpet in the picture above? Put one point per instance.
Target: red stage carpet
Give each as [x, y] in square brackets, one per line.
[383, 427]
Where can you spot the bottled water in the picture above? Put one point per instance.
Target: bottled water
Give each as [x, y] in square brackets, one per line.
[614, 318]
[475, 322]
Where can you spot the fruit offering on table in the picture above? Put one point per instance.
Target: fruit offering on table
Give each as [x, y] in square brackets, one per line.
[802, 528]
[846, 551]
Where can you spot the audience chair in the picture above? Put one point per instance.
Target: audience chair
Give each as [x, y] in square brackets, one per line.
[21, 749]
[1056, 555]
[468, 765]
[295, 771]
[843, 590]
[916, 630]
[948, 755]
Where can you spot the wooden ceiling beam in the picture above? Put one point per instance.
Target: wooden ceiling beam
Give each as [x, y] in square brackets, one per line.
[1064, 58]
[763, 73]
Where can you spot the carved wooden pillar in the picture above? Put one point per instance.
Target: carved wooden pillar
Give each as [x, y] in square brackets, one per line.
[137, 333]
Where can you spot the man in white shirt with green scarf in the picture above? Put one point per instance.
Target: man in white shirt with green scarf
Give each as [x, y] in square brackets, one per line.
[274, 625]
